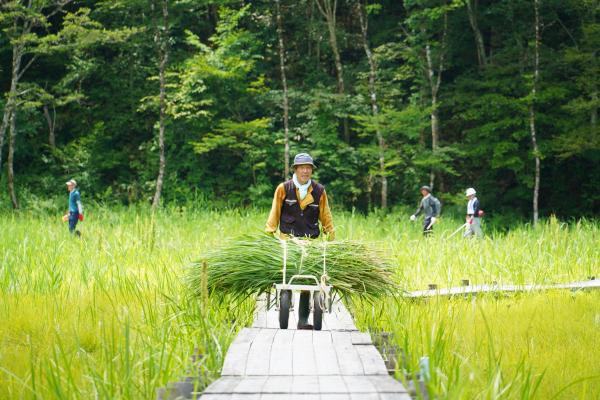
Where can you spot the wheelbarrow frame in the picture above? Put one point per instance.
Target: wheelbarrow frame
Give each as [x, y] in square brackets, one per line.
[292, 287]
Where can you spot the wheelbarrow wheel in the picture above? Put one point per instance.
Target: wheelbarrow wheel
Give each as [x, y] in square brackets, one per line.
[319, 302]
[285, 303]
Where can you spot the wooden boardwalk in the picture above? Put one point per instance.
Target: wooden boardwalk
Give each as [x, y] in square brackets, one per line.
[338, 362]
[475, 289]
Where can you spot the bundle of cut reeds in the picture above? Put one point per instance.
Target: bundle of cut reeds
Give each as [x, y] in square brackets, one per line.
[251, 264]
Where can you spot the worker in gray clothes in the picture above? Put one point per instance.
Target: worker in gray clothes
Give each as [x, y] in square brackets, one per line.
[474, 213]
[431, 207]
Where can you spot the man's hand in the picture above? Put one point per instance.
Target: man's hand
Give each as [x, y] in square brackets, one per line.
[81, 217]
[433, 220]
[65, 217]
[413, 218]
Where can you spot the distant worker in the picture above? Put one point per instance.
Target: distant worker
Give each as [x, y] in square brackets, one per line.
[431, 206]
[75, 213]
[474, 214]
[298, 206]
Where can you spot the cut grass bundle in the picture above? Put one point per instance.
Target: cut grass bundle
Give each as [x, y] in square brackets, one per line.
[251, 264]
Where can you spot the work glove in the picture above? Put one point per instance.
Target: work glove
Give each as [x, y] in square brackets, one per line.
[412, 218]
[433, 220]
[81, 217]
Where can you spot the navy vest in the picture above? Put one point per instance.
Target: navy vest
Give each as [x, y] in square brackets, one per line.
[295, 221]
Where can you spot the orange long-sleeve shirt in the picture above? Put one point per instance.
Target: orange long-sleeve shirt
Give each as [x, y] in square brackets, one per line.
[324, 211]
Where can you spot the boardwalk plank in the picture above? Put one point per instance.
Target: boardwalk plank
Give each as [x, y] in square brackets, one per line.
[306, 385]
[359, 384]
[364, 396]
[224, 385]
[216, 396]
[325, 356]
[336, 396]
[273, 319]
[332, 384]
[359, 338]
[303, 360]
[245, 396]
[394, 396]
[278, 384]
[282, 352]
[251, 384]
[348, 358]
[371, 360]
[259, 354]
[386, 384]
[237, 355]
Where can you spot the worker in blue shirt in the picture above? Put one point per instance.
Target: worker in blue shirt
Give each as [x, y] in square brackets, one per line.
[75, 213]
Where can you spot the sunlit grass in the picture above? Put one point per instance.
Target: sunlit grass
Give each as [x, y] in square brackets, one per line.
[109, 316]
[543, 345]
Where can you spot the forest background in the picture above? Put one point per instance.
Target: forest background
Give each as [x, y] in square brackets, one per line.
[196, 103]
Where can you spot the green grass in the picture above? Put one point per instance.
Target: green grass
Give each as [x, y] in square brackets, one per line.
[109, 316]
[541, 346]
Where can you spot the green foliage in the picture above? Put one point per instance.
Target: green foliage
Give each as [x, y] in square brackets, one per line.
[94, 68]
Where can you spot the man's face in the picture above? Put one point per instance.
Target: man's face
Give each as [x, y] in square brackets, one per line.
[304, 172]
[470, 197]
[424, 192]
[69, 187]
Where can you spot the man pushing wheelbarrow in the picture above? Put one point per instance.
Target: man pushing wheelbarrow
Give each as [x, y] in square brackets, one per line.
[298, 206]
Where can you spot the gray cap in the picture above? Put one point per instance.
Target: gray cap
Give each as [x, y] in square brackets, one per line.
[303, 159]
[71, 182]
[426, 188]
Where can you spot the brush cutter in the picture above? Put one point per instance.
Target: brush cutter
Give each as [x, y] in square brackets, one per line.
[319, 292]
[458, 230]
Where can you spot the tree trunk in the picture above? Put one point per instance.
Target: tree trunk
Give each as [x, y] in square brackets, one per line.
[286, 131]
[9, 108]
[163, 52]
[11, 105]
[472, 11]
[328, 9]
[4, 126]
[435, 134]
[434, 77]
[10, 161]
[364, 22]
[50, 120]
[532, 126]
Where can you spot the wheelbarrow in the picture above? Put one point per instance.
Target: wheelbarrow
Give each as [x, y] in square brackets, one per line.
[319, 294]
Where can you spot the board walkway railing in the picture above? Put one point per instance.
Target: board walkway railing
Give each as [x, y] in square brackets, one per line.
[468, 289]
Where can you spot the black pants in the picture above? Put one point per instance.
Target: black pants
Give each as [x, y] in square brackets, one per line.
[426, 228]
[304, 308]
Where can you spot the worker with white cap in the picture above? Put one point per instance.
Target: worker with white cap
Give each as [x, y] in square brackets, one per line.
[474, 214]
[75, 212]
